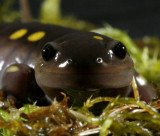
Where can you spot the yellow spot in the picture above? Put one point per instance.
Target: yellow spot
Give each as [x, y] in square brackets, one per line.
[18, 34]
[98, 37]
[12, 69]
[36, 36]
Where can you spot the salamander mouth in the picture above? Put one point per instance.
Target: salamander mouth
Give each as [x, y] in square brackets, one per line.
[85, 80]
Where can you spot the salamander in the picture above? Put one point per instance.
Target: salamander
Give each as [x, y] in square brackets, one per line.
[38, 59]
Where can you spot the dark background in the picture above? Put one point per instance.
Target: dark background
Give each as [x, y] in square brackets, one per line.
[137, 17]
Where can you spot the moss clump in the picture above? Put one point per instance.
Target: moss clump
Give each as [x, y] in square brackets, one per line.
[122, 116]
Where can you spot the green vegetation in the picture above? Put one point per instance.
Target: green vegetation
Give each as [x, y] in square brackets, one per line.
[53, 6]
[122, 116]
[6, 12]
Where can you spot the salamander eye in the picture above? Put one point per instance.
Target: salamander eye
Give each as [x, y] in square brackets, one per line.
[48, 52]
[120, 50]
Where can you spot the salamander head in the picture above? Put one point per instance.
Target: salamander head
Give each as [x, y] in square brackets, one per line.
[84, 60]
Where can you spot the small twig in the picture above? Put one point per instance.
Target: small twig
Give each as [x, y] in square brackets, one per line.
[79, 116]
[27, 17]
[135, 89]
[90, 132]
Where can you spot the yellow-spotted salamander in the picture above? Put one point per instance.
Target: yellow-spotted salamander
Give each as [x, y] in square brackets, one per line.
[36, 57]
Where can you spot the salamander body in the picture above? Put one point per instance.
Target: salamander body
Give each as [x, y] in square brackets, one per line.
[59, 59]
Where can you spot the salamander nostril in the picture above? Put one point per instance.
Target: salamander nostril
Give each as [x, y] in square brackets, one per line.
[99, 60]
[69, 60]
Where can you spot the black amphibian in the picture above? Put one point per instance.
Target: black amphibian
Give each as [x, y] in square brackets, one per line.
[38, 59]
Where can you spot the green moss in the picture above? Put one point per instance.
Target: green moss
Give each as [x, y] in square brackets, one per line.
[7, 14]
[5, 132]
[122, 116]
[51, 13]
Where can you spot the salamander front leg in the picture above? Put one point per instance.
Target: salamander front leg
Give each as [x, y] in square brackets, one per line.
[19, 82]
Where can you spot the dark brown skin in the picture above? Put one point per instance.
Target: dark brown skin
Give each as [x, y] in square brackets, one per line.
[88, 65]
[65, 59]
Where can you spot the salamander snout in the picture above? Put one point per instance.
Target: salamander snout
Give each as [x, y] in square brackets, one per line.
[87, 63]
